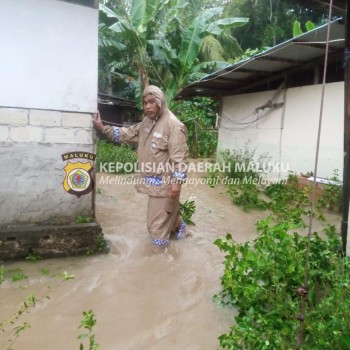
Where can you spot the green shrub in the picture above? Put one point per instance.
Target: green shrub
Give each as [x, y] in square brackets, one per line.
[108, 152]
[288, 202]
[261, 278]
[247, 196]
[199, 116]
[332, 195]
[2, 274]
[285, 199]
[244, 163]
[245, 173]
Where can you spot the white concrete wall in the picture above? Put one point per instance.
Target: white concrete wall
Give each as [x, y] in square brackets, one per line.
[48, 93]
[48, 56]
[292, 140]
[31, 184]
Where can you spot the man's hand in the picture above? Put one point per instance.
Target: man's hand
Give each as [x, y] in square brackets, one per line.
[98, 122]
[175, 190]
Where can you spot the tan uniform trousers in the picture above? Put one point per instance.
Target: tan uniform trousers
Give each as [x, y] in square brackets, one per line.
[162, 219]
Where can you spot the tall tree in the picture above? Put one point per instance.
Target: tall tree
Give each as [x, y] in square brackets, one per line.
[165, 45]
[271, 21]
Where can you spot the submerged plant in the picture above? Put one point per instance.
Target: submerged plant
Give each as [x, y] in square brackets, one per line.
[17, 332]
[2, 274]
[83, 219]
[88, 322]
[187, 209]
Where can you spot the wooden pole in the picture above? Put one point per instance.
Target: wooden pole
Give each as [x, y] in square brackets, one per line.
[196, 138]
[346, 171]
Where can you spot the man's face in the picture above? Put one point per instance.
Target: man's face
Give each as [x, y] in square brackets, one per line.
[150, 107]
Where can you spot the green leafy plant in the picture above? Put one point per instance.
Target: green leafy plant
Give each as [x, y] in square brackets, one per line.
[88, 322]
[45, 271]
[83, 219]
[29, 302]
[99, 190]
[213, 177]
[246, 170]
[248, 53]
[288, 201]
[2, 274]
[101, 242]
[109, 153]
[182, 43]
[187, 209]
[33, 257]
[261, 278]
[199, 117]
[66, 276]
[18, 330]
[332, 194]
[244, 163]
[17, 275]
[247, 196]
[297, 27]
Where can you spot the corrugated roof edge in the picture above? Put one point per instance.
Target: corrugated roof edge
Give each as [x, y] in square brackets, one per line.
[237, 65]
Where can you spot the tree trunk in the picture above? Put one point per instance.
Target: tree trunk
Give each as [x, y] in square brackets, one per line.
[143, 74]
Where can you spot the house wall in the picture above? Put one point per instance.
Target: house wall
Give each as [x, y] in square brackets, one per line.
[32, 142]
[49, 55]
[47, 97]
[289, 133]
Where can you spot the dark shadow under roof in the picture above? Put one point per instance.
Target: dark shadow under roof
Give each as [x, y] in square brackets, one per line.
[295, 55]
[115, 101]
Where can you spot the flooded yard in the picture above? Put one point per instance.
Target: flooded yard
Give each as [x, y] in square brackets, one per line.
[141, 300]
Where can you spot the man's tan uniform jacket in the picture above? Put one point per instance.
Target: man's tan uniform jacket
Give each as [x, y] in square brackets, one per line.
[162, 149]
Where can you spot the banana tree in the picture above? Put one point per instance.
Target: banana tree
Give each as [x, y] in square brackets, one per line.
[182, 62]
[134, 31]
[162, 48]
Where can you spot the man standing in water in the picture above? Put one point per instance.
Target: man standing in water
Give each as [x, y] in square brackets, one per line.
[162, 161]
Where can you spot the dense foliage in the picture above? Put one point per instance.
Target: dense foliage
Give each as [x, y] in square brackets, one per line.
[270, 21]
[251, 188]
[172, 43]
[109, 153]
[261, 278]
[165, 41]
[199, 117]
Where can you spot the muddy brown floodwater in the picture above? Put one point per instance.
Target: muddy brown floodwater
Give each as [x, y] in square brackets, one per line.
[141, 300]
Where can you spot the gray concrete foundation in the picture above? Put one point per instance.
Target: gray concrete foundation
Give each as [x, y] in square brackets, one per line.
[48, 241]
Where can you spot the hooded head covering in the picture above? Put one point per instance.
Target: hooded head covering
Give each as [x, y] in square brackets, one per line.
[158, 95]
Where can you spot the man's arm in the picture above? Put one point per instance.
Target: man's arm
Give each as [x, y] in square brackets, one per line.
[116, 134]
[98, 122]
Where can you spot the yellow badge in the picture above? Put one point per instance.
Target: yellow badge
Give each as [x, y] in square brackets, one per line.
[78, 180]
